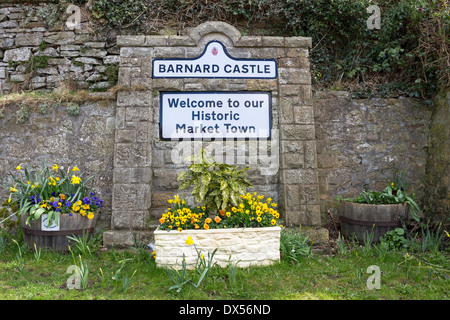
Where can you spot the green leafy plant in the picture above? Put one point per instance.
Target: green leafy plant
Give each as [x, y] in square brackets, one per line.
[82, 243]
[37, 253]
[19, 257]
[395, 239]
[202, 267]
[216, 185]
[431, 239]
[393, 194]
[293, 245]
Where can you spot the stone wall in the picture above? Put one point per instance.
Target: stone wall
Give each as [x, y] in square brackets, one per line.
[38, 51]
[52, 135]
[361, 142]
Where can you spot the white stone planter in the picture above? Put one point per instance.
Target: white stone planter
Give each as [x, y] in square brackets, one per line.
[244, 246]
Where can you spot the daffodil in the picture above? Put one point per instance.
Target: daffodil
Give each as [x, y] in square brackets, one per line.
[18, 167]
[75, 169]
[189, 241]
[55, 167]
[12, 189]
[75, 180]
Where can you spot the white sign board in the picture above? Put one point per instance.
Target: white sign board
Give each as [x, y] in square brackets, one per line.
[215, 115]
[45, 226]
[215, 62]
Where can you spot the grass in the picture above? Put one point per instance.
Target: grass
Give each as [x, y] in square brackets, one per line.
[133, 275]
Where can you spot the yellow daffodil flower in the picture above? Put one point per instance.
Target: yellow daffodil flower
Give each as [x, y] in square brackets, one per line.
[75, 180]
[18, 167]
[75, 169]
[189, 241]
[55, 167]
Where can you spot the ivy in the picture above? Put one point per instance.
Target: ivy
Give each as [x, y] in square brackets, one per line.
[407, 56]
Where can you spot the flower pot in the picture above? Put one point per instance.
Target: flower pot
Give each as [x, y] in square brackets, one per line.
[56, 237]
[359, 218]
[242, 246]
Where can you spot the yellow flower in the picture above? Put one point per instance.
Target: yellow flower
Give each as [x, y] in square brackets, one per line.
[55, 167]
[228, 214]
[85, 206]
[13, 189]
[90, 215]
[76, 180]
[189, 241]
[75, 169]
[206, 226]
[179, 229]
[82, 212]
[208, 220]
[63, 197]
[18, 167]
[258, 219]
[217, 219]
[162, 220]
[273, 222]
[196, 226]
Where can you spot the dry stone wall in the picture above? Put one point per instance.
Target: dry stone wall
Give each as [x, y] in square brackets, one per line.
[38, 50]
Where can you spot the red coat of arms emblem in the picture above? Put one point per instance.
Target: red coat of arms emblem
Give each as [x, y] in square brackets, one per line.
[214, 51]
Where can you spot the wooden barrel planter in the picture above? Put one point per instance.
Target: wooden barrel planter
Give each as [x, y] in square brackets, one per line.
[56, 240]
[358, 218]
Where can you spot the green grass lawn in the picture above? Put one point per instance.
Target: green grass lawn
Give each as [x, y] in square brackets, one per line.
[132, 275]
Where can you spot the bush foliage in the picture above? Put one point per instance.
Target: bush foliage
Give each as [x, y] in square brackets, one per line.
[407, 56]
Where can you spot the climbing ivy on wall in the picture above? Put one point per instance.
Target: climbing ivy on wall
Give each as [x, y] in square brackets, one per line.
[408, 55]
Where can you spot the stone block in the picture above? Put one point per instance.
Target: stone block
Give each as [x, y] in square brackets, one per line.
[298, 132]
[131, 197]
[132, 175]
[132, 155]
[293, 160]
[9, 24]
[134, 98]
[17, 55]
[129, 219]
[300, 176]
[304, 114]
[272, 41]
[138, 114]
[28, 39]
[298, 42]
[131, 40]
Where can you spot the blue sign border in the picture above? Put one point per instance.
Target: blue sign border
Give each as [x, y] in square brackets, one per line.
[212, 139]
[211, 77]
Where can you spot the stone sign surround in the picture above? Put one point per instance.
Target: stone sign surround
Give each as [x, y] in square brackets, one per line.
[269, 75]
